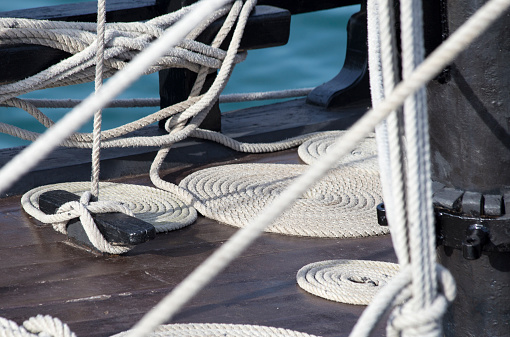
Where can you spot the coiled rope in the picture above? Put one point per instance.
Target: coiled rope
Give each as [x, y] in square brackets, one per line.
[163, 210]
[341, 205]
[223, 330]
[363, 156]
[165, 310]
[346, 281]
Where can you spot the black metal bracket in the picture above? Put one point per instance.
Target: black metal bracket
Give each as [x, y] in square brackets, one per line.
[471, 234]
[352, 83]
[116, 228]
[267, 26]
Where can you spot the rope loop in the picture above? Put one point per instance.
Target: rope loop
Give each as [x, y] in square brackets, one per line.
[84, 209]
[411, 320]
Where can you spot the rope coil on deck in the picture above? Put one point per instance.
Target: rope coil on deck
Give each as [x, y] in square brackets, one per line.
[363, 156]
[223, 330]
[162, 209]
[341, 205]
[346, 281]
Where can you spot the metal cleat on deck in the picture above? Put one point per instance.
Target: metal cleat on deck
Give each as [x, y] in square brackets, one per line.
[117, 228]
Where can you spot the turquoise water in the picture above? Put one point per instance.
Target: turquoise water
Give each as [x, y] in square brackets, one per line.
[314, 54]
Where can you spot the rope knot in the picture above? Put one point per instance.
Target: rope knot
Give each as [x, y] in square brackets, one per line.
[83, 210]
[425, 320]
[39, 326]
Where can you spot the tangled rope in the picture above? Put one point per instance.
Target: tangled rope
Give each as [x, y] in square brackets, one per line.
[340, 205]
[163, 210]
[346, 281]
[123, 41]
[35, 327]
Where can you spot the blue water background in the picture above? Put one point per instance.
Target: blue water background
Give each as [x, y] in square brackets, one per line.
[314, 54]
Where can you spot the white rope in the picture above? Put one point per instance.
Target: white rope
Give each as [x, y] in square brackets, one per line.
[151, 102]
[398, 291]
[443, 55]
[35, 327]
[419, 190]
[382, 52]
[96, 144]
[163, 210]
[363, 156]
[346, 281]
[38, 150]
[343, 204]
[220, 330]
[84, 140]
[123, 42]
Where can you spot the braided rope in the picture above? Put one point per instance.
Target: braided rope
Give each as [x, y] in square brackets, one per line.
[122, 42]
[346, 281]
[35, 327]
[363, 156]
[161, 209]
[223, 330]
[397, 293]
[98, 116]
[341, 205]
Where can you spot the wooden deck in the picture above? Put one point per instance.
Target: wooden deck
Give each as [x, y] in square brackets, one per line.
[101, 295]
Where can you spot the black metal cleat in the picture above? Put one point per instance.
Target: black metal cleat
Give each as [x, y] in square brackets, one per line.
[117, 228]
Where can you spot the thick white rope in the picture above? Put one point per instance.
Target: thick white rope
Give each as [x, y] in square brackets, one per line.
[163, 210]
[389, 131]
[363, 156]
[35, 327]
[343, 204]
[442, 56]
[123, 42]
[346, 281]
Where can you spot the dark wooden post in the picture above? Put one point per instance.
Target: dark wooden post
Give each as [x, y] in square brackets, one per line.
[470, 147]
[175, 84]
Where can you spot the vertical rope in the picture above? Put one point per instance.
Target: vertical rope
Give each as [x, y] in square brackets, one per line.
[96, 142]
[419, 201]
[389, 132]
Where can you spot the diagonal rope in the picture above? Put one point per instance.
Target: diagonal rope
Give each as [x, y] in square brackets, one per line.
[443, 55]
